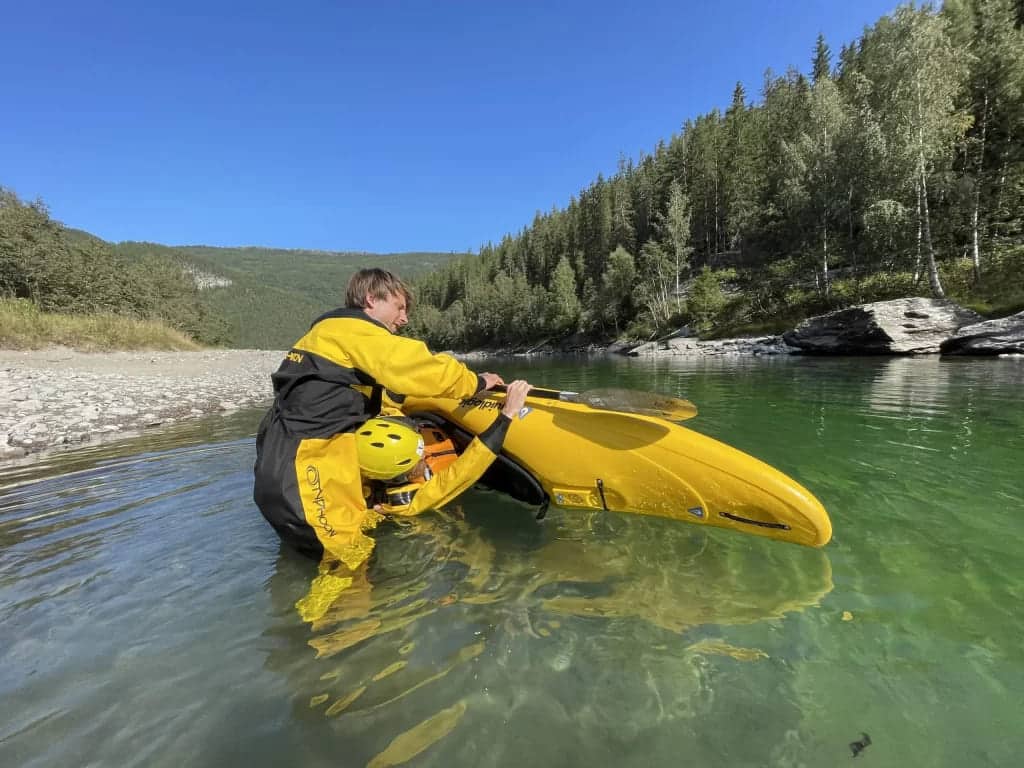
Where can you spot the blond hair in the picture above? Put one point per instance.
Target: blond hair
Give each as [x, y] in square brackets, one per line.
[378, 283]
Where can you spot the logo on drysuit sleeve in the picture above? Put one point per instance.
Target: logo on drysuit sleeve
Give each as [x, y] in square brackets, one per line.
[491, 405]
[484, 405]
[313, 478]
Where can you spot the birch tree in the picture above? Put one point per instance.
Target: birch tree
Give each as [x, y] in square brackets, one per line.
[677, 229]
[916, 76]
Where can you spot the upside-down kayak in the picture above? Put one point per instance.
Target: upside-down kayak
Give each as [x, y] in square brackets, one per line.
[577, 456]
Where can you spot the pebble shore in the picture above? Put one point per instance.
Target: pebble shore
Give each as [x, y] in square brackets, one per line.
[57, 398]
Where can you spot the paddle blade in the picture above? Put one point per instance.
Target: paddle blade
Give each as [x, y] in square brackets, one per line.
[634, 401]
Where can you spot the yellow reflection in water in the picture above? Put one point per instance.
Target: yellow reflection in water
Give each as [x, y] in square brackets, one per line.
[342, 704]
[335, 642]
[409, 744]
[673, 580]
[390, 670]
[710, 646]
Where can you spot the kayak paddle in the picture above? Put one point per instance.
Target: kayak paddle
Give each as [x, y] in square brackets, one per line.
[621, 400]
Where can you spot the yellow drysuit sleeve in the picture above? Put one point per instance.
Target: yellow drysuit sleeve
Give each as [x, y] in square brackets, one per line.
[405, 366]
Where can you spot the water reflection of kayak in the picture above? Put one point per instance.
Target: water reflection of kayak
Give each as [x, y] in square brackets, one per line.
[675, 586]
[579, 457]
[663, 575]
[478, 598]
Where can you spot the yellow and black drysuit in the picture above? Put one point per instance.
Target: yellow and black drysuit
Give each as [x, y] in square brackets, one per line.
[308, 484]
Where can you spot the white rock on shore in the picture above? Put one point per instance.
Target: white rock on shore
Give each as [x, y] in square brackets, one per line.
[692, 347]
[56, 397]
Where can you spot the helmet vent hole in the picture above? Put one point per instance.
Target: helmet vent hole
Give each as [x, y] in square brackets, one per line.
[377, 444]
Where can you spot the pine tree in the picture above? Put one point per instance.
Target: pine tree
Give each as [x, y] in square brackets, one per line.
[741, 172]
[821, 65]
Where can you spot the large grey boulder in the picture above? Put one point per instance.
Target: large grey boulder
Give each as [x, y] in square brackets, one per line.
[910, 326]
[991, 337]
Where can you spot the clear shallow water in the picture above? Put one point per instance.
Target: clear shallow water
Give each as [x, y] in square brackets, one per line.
[147, 613]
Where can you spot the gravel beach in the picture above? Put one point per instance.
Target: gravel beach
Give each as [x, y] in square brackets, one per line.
[56, 398]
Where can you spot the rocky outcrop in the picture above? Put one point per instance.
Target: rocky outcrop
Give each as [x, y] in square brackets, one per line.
[205, 280]
[991, 337]
[691, 347]
[908, 326]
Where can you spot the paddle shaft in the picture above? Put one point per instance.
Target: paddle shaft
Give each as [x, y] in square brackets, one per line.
[544, 394]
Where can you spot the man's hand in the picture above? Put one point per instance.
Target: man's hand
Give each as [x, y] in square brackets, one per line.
[491, 380]
[515, 397]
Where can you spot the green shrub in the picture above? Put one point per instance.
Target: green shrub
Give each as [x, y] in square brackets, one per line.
[706, 299]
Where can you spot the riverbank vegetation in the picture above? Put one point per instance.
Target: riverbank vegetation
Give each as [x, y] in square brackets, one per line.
[24, 326]
[261, 298]
[59, 271]
[894, 169]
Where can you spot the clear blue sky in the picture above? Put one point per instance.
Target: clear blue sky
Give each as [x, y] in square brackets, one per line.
[373, 125]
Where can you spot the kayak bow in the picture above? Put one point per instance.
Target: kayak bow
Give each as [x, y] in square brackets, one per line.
[586, 458]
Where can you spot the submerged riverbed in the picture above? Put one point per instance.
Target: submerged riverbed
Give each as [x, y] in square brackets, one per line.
[148, 612]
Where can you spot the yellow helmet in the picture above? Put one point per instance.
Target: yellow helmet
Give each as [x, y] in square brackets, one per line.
[387, 448]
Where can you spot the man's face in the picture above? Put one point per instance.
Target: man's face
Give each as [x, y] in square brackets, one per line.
[389, 311]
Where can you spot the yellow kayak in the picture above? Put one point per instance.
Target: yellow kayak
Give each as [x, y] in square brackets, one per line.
[577, 456]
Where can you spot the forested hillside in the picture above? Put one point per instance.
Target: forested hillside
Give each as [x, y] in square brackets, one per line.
[267, 296]
[895, 168]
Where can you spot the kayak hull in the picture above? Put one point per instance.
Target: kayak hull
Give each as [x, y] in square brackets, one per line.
[588, 458]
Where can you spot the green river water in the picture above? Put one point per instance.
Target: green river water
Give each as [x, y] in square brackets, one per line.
[147, 612]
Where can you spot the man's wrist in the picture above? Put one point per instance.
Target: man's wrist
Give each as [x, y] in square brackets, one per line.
[494, 435]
